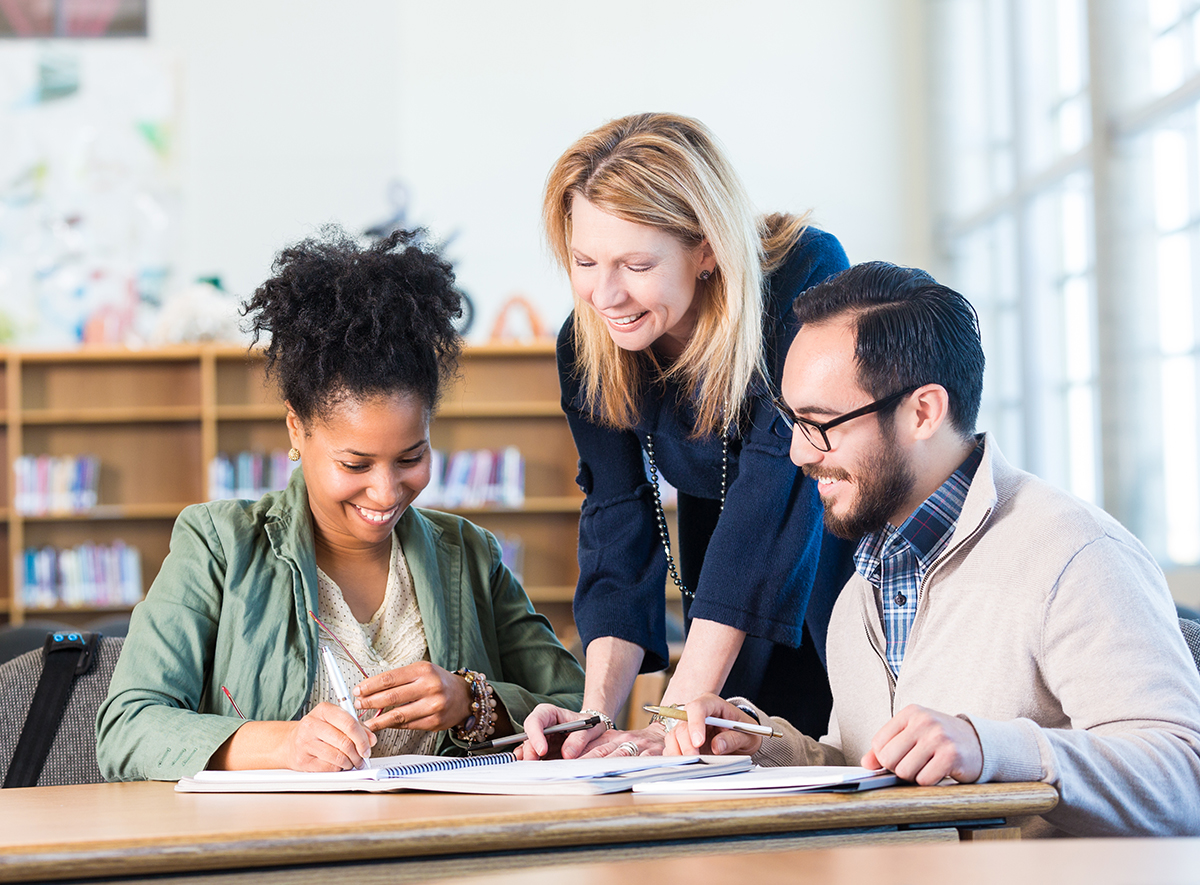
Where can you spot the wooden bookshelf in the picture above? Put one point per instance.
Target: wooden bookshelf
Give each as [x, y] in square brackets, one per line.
[156, 418]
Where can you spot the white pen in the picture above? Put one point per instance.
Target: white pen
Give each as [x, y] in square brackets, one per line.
[338, 684]
[715, 721]
[747, 727]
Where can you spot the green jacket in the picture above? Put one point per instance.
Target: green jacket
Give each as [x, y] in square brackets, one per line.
[230, 608]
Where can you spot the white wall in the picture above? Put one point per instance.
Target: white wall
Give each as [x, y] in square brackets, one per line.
[301, 112]
[290, 118]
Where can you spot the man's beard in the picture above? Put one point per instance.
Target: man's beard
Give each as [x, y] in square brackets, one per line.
[883, 481]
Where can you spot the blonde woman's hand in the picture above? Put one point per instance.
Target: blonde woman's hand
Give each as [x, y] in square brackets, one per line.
[694, 736]
[538, 746]
[643, 742]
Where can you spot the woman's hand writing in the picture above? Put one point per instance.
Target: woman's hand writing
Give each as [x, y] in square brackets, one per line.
[327, 739]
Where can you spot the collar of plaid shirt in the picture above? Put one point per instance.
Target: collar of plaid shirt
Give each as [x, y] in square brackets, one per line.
[930, 526]
[925, 534]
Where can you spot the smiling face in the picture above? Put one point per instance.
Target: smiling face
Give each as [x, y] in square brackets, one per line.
[639, 279]
[865, 480]
[363, 466]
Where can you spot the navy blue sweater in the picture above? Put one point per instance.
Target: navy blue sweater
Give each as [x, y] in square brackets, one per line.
[762, 558]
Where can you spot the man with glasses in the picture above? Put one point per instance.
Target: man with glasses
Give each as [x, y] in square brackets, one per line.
[996, 628]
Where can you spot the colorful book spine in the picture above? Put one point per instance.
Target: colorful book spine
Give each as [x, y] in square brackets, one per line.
[86, 576]
[248, 474]
[475, 478]
[48, 484]
[512, 554]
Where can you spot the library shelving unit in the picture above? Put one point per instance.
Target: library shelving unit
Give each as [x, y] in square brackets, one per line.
[156, 419]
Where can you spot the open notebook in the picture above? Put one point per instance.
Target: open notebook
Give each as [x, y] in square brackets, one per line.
[778, 781]
[494, 773]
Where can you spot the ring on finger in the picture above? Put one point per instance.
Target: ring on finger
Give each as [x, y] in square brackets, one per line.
[629, 748]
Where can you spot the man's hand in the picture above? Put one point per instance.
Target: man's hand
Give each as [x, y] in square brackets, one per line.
[693, 737]
[923, 745]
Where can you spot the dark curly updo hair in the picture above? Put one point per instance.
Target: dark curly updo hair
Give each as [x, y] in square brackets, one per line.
[348, 322]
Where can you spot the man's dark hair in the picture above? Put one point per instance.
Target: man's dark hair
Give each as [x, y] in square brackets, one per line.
[911, 330]
[348, 321]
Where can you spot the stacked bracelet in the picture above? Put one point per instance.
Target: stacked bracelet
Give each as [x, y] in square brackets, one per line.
[607, 720]
[481, 723]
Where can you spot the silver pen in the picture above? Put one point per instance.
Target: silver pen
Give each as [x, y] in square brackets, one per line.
[338, 684]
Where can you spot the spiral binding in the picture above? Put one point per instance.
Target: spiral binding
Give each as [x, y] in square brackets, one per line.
[453, 764]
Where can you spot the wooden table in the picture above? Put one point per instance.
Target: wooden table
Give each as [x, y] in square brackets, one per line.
[1032, 862]
[146, 828]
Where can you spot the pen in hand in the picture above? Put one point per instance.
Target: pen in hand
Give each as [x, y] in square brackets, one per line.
[342, 646]
[338, 685]
[715, 721]
[520, 737]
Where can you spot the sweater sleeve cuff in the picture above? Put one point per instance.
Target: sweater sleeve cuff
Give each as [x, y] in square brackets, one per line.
[773, 751]
[1010, 750]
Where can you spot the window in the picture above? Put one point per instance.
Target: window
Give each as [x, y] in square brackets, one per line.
[1069, 195]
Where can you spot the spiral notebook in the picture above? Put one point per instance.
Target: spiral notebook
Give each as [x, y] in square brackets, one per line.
[499, 773]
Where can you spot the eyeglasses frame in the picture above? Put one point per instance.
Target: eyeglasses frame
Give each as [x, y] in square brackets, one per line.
[792, 420]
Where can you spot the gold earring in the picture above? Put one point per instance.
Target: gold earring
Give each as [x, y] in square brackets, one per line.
[293, 454]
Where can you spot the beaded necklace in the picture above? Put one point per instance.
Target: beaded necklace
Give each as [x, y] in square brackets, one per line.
[663, 535]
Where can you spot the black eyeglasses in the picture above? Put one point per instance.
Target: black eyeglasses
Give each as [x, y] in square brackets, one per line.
[815, 433]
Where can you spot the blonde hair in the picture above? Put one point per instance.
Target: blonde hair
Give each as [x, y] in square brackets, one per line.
[668, 172]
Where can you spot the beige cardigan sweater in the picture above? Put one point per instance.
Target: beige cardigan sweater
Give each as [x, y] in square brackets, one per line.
[1050, 628]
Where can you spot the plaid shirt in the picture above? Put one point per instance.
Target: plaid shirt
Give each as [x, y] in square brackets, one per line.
[895, 560]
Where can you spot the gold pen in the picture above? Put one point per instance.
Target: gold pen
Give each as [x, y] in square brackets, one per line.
[717, 722]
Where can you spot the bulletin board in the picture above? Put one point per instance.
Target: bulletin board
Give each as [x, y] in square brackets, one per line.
[89, 190]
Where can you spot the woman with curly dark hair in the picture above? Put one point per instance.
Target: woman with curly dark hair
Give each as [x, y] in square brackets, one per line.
[436, 637]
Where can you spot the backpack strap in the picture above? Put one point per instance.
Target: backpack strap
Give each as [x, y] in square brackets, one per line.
[66, 655]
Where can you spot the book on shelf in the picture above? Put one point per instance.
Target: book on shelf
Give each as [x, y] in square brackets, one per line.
[496, 773]
[512, 553]
[779, 781]
[49, 484]
[473, 478]
[248, 474]
[89, 575]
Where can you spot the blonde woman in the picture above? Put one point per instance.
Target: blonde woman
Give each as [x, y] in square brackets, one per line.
[668, 365]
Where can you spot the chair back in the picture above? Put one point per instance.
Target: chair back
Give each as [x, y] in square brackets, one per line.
[1191, 633]
[15, 641]
[72, 758]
